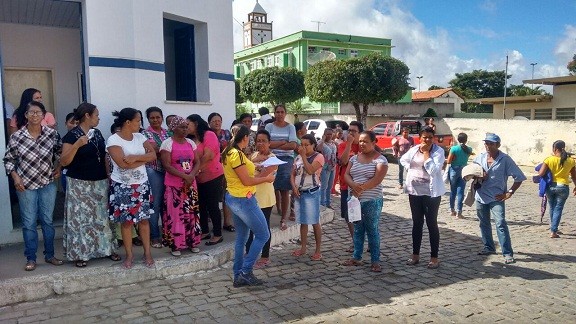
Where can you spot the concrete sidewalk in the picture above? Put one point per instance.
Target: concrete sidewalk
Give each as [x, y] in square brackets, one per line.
[18, 285]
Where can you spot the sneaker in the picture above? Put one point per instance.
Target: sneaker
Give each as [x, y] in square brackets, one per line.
[508, 259]
[195, 250]
[249, 278]
[486, 252]
[176, 253]
[239, 282]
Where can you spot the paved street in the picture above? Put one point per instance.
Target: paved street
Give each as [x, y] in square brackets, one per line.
[466, 288]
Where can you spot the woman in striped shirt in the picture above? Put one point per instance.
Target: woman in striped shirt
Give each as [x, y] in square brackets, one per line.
[364, 176]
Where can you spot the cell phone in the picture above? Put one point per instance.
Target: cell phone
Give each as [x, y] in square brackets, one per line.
[90, 133]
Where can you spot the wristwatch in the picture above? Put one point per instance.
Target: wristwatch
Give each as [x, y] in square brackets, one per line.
[511, 191]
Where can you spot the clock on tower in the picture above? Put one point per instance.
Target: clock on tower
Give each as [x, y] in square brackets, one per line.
[257, 30]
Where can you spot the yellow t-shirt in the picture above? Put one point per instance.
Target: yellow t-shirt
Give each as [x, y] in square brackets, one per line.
[234, 159]
[560, 174]
[265, 191]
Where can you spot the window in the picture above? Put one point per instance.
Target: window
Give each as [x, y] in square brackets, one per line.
[565, 113]
[341, 51]
[326, 49]
[353, 53]
[379, 130]
[313, 125]
[312, 49]
[543, 114]
[523, 113]
[270, 60]
[277, 60]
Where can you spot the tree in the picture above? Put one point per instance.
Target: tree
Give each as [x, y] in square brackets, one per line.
[435, 87]
[430, 113]
[572, 65]
[297, 107]
[479, 84]
[361, 81]
[239, 98]
[522, 90]
[274, 85]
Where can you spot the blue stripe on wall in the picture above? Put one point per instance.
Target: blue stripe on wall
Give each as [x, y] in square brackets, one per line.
[221, 76]
[125, 63]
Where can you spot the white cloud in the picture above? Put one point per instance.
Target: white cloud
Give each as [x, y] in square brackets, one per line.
[427, 52]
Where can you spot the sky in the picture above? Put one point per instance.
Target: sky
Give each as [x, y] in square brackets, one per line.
[437, 39]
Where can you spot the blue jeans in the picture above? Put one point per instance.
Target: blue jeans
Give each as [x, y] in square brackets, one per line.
[156, 180]
[326, 182]
[247, 217]
[497, 210]
[557, 195]
[37, 205]
[457, 185]
[400, 173]
[368, 226]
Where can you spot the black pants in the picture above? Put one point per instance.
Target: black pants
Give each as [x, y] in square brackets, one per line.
[209, 195]
[344, 204]
[425, 207]
[266, 249]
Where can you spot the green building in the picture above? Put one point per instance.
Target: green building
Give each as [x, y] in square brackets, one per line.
[300, 50]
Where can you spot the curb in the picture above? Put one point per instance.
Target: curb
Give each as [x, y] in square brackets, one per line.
[42, 286]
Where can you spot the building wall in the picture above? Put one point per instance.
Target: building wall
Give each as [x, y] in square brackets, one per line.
[396, 110]
[564, 97]
[113, 88]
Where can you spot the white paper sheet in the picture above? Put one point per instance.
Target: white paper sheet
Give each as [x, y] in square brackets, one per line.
[271, 161]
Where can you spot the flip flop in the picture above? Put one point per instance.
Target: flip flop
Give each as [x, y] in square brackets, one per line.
[229, 228]
[149, 263]
[433, 265]
[298, 253]
[412, 262]
[115, 257]
[127, 264]
[316, 257]
[376, 267]
[352, 262]
[30, 265]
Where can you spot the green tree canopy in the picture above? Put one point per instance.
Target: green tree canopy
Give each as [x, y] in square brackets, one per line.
[274, 85]
[435, 87]
[239, 98]
[479, 84]
[361, 81]
[522, 90]
[572, 65]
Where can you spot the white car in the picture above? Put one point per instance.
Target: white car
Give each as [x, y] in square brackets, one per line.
[317, 126]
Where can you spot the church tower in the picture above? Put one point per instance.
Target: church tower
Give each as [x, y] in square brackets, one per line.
[257, 29]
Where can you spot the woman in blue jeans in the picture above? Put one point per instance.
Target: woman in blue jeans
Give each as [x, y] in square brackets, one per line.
[239, 172]
[364, 176]
[458, 158]
[32, 159]
[562, 168]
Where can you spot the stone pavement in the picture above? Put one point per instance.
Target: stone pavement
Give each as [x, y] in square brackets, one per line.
[466, 288]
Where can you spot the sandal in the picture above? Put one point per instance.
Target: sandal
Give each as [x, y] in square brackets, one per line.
[229, 228]
[433, 265]
[115, 257]
[352, 262]
[207, 237]
[127, 264]
[137, 241]
[149, 263]
[81, 264]
[30, 265]
[54, 261]
[157, 244]
[261, 263]
[316, 257]
[412, 262]
[376, 267]
[298, 252]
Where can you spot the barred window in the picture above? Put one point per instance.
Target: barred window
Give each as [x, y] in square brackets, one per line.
[341, 51]
[353, 53]
[543, 114]
[565, 113]
[523, 113]
[312, 49]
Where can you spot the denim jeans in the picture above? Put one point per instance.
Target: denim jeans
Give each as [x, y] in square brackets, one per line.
[400, 173]
[497, 210]
[37, 205]
[247, 217]
[368, 226]
[457, 185]
[156, 180]
[557, 195]
[326, 182]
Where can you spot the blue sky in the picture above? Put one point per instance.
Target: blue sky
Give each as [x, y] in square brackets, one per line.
[437, 39]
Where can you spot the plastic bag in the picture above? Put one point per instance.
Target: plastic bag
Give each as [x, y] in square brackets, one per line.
[354, 210]
[446, 176]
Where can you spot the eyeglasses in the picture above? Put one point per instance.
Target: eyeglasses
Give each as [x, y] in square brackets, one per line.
[35, 112]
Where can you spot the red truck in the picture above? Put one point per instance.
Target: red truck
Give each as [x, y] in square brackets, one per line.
[387, 131]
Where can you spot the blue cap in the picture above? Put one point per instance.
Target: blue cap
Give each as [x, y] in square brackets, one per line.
[491, 137]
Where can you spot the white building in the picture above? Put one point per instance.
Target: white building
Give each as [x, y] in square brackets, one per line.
[174, 54]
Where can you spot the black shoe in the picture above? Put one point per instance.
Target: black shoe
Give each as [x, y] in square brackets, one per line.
[239, 282]
[215, 242]
[249, 278]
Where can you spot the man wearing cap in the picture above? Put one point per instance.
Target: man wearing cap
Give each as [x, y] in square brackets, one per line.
[492, 193]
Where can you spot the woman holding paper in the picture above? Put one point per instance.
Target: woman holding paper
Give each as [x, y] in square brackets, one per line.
[264, 194]
[364, 175]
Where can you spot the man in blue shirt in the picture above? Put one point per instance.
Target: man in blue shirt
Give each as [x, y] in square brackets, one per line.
[490, 197]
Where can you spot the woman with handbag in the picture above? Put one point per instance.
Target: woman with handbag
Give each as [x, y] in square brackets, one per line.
[364, 176]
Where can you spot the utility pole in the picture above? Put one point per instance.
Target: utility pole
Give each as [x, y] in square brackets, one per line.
[419, 78]
[505, 86]
[318, 23]
[533, 64]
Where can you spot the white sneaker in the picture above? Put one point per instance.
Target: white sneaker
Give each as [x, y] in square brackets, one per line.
[176, 253]
[195, 250]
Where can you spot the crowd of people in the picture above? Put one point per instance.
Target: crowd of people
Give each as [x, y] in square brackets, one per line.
[162, 187]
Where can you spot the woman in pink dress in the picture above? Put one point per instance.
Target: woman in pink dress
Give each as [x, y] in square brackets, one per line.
[181, 229]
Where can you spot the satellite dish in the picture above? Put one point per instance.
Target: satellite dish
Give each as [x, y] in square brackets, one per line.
[314, 58]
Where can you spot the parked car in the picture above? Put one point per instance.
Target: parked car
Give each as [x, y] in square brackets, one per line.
[387, 131]
[255, 122]
[316, 127]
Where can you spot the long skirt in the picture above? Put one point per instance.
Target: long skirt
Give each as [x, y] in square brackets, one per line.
[181, 223]
[130, 203]
[87, 233]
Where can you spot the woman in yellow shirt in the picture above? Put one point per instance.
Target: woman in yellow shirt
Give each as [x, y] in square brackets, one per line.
[239, 173]
[558, 191]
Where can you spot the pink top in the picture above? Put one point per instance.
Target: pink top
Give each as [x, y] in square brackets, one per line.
[214, 168]
[181, 158]
[48, 120]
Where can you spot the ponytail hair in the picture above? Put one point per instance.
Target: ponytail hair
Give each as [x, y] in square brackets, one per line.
[560, 145]
[123, 116]
[242, 132]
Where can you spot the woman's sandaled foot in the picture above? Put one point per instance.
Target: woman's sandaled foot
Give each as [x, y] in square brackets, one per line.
[81, 264]
[412, 261]
[554, 235]
[376, 267]
[261, 263]
[148, 262]
[157, 244]
[298, 252]
[229, 228]
[115, 257]
[352, 263]
[30, 265]
[316, 257]
[127, 264]
[292, 217]
[433, 265]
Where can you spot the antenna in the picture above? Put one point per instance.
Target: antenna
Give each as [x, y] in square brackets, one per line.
[318, 23]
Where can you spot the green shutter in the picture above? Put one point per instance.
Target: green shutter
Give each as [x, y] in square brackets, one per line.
[285, 62]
